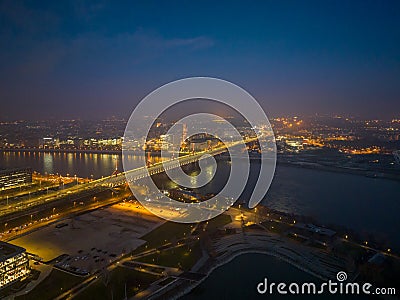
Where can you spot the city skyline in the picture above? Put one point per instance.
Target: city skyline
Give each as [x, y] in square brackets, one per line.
[94, 60]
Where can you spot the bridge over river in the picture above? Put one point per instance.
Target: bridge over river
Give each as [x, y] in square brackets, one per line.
[110, 182]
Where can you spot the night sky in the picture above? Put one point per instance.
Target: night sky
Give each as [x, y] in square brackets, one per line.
[86, 59]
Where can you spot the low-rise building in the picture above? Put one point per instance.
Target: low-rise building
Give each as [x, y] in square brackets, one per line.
[15, 177]
[14, 264]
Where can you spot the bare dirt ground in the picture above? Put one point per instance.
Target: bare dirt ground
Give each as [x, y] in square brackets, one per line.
[94, 239]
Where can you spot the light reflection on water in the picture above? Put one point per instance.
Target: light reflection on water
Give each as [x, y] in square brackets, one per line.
[81, 164]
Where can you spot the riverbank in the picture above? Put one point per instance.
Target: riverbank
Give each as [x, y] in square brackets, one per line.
[315, 262]
[333, 166]
[185, 291]
[338, 169]
[88, 151]
[238, 279]
[38, 150]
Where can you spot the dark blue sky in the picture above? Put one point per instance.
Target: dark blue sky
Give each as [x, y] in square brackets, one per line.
[86, 59]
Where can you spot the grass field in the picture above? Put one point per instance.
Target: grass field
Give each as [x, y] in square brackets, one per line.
[165, 233]
[51, 286]
[218, 222]
[183, 257]
[115, 289]
[170, 231]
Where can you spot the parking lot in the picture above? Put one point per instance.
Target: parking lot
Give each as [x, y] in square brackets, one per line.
[91, 240]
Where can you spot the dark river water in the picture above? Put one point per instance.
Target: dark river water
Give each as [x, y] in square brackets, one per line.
[239, 278]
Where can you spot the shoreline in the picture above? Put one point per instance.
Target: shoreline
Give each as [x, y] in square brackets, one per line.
[231, 257]
[342, 170]
[179, 289]
[37, 150]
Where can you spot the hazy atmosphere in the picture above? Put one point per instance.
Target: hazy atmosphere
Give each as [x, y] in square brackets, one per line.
[87, 59]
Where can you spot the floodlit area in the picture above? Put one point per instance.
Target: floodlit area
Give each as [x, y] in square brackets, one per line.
[91, 240]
